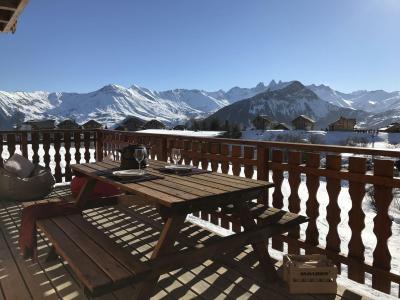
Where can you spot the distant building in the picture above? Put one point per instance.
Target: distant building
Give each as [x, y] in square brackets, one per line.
[393, 128]
[38, 125]
[342, 124]
[180, 127]
[154, 124]
[68, 124]
[281, 126]
[92, 124]
[303, 122]
[130, 124]
[262, 122]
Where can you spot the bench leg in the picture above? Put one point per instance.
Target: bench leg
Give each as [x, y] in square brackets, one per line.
[260, 247]
[52, 255]
[165, 245]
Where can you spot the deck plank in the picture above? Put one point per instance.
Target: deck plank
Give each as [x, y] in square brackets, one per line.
[219, 278]
[12, 283]
[36, 280]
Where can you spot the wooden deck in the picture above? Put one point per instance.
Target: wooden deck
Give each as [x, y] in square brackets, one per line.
[220, 278]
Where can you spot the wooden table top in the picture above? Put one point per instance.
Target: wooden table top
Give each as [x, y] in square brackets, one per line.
[192, 192]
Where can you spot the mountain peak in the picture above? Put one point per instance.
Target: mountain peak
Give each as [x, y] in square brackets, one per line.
[260, 85]
[272, 84]
[111, 87]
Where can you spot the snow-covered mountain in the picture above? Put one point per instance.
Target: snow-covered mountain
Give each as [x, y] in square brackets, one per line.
[109, 105]
[197, 99]
[371, 101]
[113, 103]
[284, 105]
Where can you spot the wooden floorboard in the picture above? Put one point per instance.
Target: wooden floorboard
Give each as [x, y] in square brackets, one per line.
[136, 230]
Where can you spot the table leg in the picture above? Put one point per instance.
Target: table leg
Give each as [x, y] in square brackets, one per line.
[260, 247]
[85, 192]
[165, 244]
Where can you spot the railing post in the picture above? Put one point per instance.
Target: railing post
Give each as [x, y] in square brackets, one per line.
[99, 145]
[11, 143]
[333, 163]
[357, 165]
[24, 144]
[1, 150]
[312, 205]
[277, 196]
[163, 149]
[57, 157]
[262, 171]
[383, 196]
[294, 199]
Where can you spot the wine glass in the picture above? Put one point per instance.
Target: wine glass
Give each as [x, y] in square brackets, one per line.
[176, 155]
[139, 156]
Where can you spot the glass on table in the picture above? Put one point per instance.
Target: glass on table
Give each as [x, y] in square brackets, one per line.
[140, 155]
[176, 155]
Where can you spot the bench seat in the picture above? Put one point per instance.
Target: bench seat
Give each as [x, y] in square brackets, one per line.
[99, 263]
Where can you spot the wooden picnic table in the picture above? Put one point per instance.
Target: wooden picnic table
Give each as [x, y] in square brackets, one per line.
[175, 196]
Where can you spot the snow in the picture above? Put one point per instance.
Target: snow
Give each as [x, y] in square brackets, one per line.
[370, 101]
[383, 140]
[183, 132]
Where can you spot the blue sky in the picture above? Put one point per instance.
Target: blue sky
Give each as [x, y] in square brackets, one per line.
[209, 44]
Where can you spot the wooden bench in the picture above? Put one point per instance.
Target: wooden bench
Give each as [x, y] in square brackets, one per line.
[99, 263]
[102, 266]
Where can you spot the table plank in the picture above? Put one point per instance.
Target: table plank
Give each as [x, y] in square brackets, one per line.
[181, 191]
[146, 193]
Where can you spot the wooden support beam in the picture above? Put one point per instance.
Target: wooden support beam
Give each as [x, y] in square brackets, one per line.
[10, 26]
[5, 15]
[9, 4]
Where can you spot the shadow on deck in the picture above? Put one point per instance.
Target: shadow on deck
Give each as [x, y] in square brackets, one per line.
[137, 230]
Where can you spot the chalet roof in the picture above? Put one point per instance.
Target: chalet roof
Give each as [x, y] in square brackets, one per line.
[153, 124]
[265, 117]
[38, 121]
[343, 118]
[130, 123]
[42, 124]
[68, 123]
[281, 125]
[92, 123]
[305, 118]
[9, 13]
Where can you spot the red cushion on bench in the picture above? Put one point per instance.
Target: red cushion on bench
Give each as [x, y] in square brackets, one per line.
[101, 189]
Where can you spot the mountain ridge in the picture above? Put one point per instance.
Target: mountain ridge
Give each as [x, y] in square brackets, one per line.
[112, 103]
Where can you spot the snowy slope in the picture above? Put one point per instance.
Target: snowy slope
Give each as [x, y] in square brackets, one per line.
[197, 99]
[371, 101]
[112, 103]
[284, 105]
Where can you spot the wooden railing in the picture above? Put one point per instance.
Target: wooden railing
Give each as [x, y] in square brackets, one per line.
[51, 148]
[298, 166]
[316, 180]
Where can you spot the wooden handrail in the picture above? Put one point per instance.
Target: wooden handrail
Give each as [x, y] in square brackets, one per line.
[267, 144]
